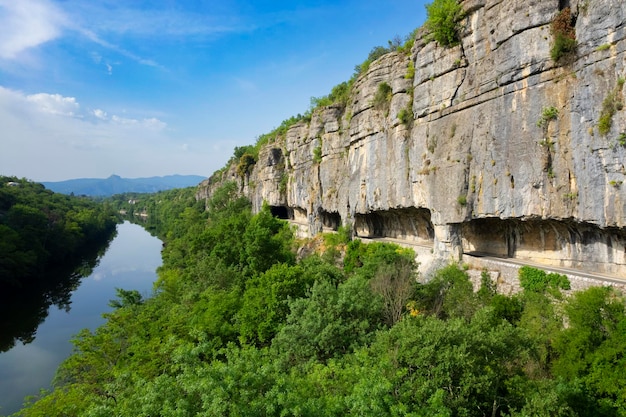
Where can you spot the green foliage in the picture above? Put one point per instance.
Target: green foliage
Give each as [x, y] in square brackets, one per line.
[435, 367]
[282, 185]
[375, 53]
[239, 326]
[339, 95]
[367, 258]
[443, 18]
[410, 71]
[383, 96]
[48, 241]
[537, 280]
[594, 317]
[280, 132]
[564, 37]
[246, 162]
[126, 298]
[266, 241]
[317, 154]
[612, 104]
[547, 114]
[240, 151]
[406, 116]
[331, 321]
[396, 283]
[265, 301]
[449, 294]
[342, 236]
[409, 41]
[461, 200]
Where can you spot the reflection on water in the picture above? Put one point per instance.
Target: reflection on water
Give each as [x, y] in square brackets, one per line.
[130, 263]
[22, 310]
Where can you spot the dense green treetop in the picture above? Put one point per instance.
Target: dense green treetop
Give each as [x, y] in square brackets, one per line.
[48, 241]
[40, 228]
[240, 326]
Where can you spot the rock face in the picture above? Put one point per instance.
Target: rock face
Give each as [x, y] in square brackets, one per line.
[488, 146]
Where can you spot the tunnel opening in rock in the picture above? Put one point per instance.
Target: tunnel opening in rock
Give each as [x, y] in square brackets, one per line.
[282, 212]
[330, 220]
[564, 243]
[410, 224]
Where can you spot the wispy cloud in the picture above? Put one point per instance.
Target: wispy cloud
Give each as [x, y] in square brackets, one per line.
[28, 24]
[108, 45]
[120, 18]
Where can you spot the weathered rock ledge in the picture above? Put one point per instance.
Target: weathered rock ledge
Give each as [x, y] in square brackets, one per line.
[472, 170]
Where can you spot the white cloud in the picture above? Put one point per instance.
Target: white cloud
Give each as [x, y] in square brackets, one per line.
[152, 123]
[51, 137]
[27, 24]
[54, 104]
[100, 114]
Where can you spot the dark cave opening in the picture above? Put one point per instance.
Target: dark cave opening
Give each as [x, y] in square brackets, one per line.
[282, 212]
[331, 220]
[411, 224]
[564, 243]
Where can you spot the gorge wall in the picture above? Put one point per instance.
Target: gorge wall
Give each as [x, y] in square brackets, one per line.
[501, 152]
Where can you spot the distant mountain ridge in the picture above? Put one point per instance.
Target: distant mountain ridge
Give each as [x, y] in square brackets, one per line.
[103, 187]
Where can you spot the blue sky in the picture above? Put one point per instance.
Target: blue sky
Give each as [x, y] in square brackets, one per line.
[90, 88]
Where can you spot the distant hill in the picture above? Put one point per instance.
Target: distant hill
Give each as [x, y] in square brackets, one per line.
[115, 184]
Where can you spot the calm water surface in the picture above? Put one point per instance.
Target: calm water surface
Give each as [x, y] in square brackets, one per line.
[129, 263]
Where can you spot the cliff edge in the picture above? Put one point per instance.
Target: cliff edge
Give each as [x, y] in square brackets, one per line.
[489, 146]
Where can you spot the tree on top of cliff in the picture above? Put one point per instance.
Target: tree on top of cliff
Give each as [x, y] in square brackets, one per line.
[443, 17]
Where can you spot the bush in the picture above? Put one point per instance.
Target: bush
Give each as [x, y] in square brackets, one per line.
[317, 154]
[406, 116]
[536, 280]
[564, 34]
[443, 17]
[374, 54]
[383, 97]
[246, 162]
[611, 104]
[547, 114]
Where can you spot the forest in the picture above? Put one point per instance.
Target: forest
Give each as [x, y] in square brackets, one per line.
[48, 241]
[246, 320]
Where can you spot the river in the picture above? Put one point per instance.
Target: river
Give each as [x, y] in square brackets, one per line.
[129, 263]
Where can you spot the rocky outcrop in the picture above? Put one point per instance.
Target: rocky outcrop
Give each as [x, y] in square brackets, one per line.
[500, 152]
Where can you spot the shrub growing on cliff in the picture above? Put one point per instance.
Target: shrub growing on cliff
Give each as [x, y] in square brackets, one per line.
[246, 162]
[547, 114]
[564, 35]
[443, 17]
[611, 105]
[317, 154]
[382, 98]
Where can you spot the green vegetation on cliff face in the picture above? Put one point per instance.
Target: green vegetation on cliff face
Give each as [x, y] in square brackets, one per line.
[47, 242]
[239, 325]
[246, 156]
[443, 21]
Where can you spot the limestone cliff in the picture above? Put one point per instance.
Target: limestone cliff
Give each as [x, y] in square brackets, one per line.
[501, 152]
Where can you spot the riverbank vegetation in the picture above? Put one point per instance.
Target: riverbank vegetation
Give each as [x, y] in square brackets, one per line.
[48, 241]
[240, 325]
